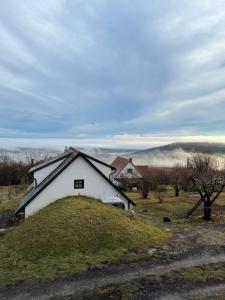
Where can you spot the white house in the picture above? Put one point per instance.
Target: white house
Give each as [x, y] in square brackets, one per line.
[69, 174]
[125, 168]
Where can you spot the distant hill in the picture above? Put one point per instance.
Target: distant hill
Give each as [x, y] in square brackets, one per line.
[177, 153]
[201, 147]
[163, 156]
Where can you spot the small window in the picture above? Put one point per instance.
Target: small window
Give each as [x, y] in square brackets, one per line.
[129, 170]
[79, 184]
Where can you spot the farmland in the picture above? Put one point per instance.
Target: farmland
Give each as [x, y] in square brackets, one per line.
[190, 241]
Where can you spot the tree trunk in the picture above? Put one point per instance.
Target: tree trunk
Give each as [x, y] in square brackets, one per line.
[207, 212]
[176, 192]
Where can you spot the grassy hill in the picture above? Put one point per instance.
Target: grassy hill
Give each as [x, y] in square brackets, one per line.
[69, 236]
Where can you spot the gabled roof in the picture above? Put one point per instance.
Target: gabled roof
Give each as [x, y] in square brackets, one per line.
[119, 164]
[65, 163]
[93, 158]
[50, 161]
[63, 156]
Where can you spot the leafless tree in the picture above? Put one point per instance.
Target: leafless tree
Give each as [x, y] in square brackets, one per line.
[156, 180]
[208, 180]
[11, 171]
[178, 178]
[35, 157]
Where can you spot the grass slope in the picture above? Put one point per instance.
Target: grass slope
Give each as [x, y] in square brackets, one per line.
[69, 236]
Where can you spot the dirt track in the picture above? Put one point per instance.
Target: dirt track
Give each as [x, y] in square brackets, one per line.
[113, 275]
[189, 248]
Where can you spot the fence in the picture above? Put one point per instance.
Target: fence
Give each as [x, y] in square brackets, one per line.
[12, 192]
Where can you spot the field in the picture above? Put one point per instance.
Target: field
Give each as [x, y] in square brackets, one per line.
[11, 195]
[197, 245]
[71, 235]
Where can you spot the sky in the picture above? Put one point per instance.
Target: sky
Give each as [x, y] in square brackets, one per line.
[112, 73]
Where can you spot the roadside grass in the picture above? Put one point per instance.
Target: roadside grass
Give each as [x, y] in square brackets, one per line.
[72, 235]
[202, 274]
[218, 296]
[186, 278]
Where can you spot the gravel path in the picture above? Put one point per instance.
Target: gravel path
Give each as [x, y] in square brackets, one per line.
[99, 278]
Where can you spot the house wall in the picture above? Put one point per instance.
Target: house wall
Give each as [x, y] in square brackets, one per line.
[94, 186]
[134, 174]
[44, 172]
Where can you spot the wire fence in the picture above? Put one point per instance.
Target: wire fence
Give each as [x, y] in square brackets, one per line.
[12, 192]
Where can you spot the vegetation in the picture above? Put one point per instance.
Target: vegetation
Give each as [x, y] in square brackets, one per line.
[137, 289]
[215, 297]
[173, 207]
[11, 171]
[208, 180]
[202, 274]
[69, 236]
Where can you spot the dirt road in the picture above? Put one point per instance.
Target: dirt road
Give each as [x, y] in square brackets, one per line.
[109, 275]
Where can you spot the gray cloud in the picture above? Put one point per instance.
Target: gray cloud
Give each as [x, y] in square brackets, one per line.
[106, 68]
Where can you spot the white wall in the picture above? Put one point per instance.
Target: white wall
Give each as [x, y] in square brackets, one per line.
[94, 186]
[44, 172]
[134, 174]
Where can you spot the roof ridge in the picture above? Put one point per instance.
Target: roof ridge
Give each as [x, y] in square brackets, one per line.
[50, 161]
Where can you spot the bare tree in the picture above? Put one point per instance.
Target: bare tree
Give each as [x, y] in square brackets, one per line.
[177, 178]
[157, 179]
[207, 179]
[11, 171]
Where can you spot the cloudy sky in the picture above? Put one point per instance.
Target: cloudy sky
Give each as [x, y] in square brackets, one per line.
[112, 73]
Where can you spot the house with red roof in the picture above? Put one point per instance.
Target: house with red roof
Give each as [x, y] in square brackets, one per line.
[128, 174]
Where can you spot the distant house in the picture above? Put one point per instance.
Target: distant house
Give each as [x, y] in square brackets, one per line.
[69, 174]
[128, 174]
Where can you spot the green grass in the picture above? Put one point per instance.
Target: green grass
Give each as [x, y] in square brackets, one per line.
[202, 274]
[10, 196]
[9, 205]
[175, 208]
[189, 277]
[69, 236]
[216, 297]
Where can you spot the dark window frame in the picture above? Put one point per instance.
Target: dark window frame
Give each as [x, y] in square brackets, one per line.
[129, 170]
[78, 184]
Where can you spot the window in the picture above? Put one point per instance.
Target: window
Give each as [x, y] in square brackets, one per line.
[79, 183]
[129, 170]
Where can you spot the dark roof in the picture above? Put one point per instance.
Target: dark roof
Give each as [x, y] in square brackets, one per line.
[119, 164]
[144, 170]
[71, 157]
[50, 161]
[63, 156]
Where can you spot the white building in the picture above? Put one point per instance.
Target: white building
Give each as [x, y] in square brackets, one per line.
[70, 174]
[125, 168]
[129, 175]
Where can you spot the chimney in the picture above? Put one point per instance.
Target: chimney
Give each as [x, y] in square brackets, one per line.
[130, 160]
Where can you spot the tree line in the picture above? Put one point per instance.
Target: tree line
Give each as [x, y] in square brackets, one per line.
[13, 172]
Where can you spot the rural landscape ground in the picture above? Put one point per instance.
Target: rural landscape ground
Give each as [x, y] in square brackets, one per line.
[181, 259]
